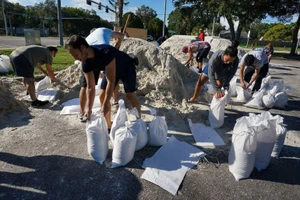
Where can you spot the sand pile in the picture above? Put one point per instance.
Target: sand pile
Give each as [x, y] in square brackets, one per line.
[10, 89]
[174, 45]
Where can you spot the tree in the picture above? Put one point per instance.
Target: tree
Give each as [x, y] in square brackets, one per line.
[259, 29]
[135, 22]
[245, 11]
[280, 32]
[155, 26]
[285, 10]
[145, 14]
[118, 6]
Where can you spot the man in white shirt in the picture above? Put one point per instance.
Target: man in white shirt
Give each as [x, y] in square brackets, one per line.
[254, 66]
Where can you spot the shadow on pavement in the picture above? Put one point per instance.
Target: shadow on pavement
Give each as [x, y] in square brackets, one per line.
[62, 177]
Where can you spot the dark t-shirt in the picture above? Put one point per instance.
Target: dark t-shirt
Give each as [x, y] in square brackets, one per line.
[103, 55]
[161, 39]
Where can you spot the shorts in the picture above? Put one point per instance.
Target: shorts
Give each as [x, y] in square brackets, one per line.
[21, 65]
[205, 70]
[202, 54]
[128, 79]
[82, 81]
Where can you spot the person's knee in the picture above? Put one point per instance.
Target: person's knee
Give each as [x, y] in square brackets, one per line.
[29, 81]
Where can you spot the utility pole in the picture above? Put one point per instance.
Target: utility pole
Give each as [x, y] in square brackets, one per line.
[60, 31]
[4, 17]
[164, 18]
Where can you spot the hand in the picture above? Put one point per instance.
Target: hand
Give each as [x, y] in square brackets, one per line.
[243, 85]
[105, 108]
[53, 79]
[219, 94]
[247, 85]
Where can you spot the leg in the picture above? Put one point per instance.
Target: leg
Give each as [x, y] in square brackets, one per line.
[29, 84]
[201, 81]
[115, 94]
[262, 74]
[132, 98]
[108, 116]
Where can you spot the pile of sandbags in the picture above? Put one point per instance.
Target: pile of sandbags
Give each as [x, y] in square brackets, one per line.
[255, 139]
[126, 136]
[271, 94]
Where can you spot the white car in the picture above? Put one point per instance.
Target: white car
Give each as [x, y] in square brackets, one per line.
[150, 38]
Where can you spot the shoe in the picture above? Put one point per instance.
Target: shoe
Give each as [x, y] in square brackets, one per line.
[80, 116]
[38, 103]
[199, 70]
[115, 103]
[191, 101]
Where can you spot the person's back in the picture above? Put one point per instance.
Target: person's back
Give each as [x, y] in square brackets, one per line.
[99, 36]
[200, 45]
[36, 55]
[260, 58]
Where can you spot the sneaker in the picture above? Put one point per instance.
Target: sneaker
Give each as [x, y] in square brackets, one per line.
[38, 103]
[199, 70]
[80, 116]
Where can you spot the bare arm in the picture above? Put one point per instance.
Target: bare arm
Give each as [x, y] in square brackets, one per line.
[50, 72]
[119, 37]
[110, 72]
[90, 92]
[190, 55]
[42, 70]
[242, 67]
[254, 77]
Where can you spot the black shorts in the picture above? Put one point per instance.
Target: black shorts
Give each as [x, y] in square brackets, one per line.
[202, 54]
[128, 79]
[21, 65]
[82, 81]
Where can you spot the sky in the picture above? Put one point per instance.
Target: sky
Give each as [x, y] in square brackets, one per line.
[157, 5]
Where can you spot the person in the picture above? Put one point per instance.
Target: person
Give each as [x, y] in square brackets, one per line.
[269, 50]
[254, 67]
[202, 48]
[201, 35]
[117, 66]
[161, 39]
[219, 70]
[24, 59]
[97, 36]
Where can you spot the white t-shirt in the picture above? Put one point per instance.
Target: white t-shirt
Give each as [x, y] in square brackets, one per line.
[260, 59]
[99, 36]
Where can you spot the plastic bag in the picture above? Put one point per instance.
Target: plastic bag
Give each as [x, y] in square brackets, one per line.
[5, 64]
[97, 138]
[43, 84]
[281, 100]
[140, 127]
[243, 95]
[124, 146]
[158, 130]
[241, 157]
[256, 100]
[216, 111]
[232, 87]
[119, 120]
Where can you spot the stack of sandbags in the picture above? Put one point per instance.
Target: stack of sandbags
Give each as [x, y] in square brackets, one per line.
[253, 142]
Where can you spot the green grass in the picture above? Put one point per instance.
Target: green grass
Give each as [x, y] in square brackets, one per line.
[61, 61]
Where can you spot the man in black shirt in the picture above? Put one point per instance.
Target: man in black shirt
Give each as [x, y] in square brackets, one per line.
[117, 66]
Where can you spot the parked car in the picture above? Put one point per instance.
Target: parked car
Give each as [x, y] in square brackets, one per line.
[150, 38]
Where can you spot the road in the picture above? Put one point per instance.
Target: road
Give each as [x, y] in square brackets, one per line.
[11, 42]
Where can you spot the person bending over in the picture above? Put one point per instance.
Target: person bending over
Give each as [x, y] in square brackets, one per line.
[117, 66]
[97, 36]
[25, 59]
[219, 70]
[202, 48]
[254, 67]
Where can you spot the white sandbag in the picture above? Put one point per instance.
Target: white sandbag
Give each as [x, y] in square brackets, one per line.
[241, 157]
[265, 83]
[268, 101]
[216, 111]
[232, 87]
[43, 84]
[119, 120]
[158, 130]
[97, 138]
[243, 95]
[124, 146]
[280, 137]
[281, 100]
[256, 100]
[265, 140]
[140, 127]
[5, 64]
